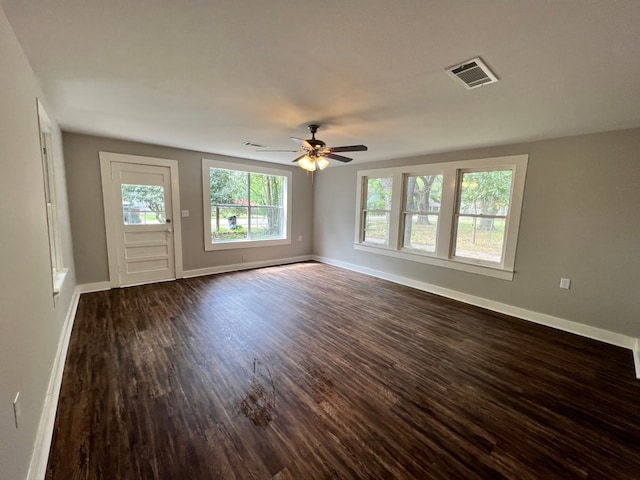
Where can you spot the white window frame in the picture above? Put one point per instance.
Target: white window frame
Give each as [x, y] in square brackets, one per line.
[404, 212]
[207, 164]
[58, 270]
[443, 255]
[364, 191]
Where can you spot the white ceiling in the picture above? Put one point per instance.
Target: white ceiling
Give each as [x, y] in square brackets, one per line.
[209, 75]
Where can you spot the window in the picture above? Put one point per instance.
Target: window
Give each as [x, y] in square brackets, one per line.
[377, 210]
[245, 206]
[462, 215]
[143, 204]
[481, 214]
[423, 195]
[58, 271]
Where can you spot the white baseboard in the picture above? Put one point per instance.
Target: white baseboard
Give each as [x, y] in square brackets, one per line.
[588, 331]
[94, 287]
[244, 266]
[44, 435]
[636, 357]
[102, 286]
[38, 465]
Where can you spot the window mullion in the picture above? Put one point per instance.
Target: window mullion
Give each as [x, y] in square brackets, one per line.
[249, 237]
[361, 209]
[395, 214]
[446, 217]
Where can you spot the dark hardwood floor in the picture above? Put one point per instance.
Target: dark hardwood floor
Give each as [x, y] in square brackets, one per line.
[310, 372]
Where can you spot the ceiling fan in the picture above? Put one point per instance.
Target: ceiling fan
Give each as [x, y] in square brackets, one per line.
[315, 153]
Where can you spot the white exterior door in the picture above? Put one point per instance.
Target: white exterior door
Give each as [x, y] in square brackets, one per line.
[139, 217]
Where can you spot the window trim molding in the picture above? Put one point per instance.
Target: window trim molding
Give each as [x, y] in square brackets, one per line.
[403, 216]
[443, 256]
[45, 132]
[208, 163]
[361, 234]
[106, 160]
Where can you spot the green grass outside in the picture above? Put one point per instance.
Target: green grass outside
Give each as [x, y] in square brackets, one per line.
[225, 234]
[487, 243]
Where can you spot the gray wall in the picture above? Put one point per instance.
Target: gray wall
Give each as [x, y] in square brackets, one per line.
[87, 214]
[30, 323]
[580, 220]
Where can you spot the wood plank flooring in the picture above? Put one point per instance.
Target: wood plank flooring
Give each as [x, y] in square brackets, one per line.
[307, 372]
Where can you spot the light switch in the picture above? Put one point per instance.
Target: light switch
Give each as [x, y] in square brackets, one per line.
[565, 283]
[185, 213]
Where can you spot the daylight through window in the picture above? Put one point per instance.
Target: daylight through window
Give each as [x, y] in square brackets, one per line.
[462, 215]
[245, 206]
[377, 210]
[423, 196]
[481, 215]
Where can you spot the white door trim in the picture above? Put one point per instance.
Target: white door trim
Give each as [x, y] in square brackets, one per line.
[106, 158]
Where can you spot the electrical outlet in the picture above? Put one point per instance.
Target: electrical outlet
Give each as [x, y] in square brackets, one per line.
[299, 238]
[17, 411]
[565, 283]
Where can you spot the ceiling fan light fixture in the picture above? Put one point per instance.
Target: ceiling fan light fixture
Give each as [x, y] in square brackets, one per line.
[316, 154]
[322, 163]
[307, 163]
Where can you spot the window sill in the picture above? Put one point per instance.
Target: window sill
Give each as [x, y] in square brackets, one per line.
[489, 271]
[58, 280]
[247, 244]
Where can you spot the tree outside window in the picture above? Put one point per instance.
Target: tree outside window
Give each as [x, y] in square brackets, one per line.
[421, 211]
[483, 207]
[143, 204]
[246, 205]
[377, 209]
[462, 215]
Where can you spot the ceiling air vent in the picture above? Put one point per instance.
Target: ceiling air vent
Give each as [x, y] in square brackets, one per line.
[472, 73]
[257, 145]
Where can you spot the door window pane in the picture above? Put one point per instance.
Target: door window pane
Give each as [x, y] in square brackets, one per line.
[143, 204]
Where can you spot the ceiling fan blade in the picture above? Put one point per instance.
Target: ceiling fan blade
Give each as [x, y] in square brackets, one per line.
[301, 156]
[340, 158]
[291, 151]
[302, 142]
[349, 148]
